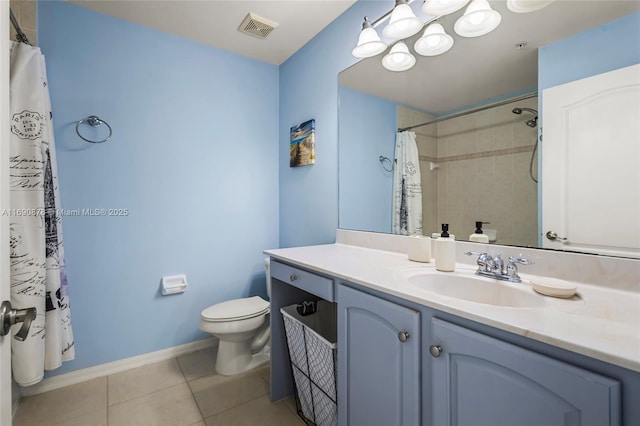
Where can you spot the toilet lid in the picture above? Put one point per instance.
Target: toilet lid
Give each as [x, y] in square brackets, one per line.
[236, 309]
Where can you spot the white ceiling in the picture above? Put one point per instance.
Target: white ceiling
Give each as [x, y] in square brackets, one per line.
[215, 22]
[478, 69]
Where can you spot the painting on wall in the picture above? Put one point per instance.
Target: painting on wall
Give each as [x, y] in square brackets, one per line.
[303, 144]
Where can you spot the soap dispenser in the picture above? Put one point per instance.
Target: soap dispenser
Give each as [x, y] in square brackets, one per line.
[478, 236]
[445, 252]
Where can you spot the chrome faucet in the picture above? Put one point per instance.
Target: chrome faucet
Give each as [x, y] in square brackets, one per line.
[493, 267]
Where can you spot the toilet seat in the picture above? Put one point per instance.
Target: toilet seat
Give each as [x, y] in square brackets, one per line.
[235, 310]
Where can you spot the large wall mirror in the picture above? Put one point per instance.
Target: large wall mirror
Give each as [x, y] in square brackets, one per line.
[481, 151]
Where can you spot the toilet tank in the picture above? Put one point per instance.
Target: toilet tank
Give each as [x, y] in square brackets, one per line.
[267, 269]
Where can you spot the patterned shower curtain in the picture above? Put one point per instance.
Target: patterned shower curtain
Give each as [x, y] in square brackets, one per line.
[407, 186]
[38, 277]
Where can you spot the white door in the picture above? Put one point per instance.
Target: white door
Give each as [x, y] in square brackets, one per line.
[5, 342]
[590, 173]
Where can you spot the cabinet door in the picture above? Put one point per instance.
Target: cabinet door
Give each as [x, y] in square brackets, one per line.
[378, 366]
[479, 380]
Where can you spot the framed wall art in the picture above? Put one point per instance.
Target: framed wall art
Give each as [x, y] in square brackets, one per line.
[303, 144]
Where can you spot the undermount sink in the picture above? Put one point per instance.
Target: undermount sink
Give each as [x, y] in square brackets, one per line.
[475, 289]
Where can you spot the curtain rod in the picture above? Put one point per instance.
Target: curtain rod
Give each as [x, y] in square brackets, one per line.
[471, 111]
[20, 36]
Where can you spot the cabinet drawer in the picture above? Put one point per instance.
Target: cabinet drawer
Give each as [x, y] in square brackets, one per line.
[311, 283]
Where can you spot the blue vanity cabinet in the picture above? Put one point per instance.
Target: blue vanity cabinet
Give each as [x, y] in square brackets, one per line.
[392, 373]
[378, 361]
[479, 380]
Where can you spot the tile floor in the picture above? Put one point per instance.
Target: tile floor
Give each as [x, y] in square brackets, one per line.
[184, 391]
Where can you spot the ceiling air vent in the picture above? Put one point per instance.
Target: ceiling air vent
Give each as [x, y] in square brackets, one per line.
[257, 26]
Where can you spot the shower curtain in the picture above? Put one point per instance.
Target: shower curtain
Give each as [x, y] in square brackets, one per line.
[407, 187]
[38, 277]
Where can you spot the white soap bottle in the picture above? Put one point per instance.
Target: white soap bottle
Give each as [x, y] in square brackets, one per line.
[478, 236]
[445, 252]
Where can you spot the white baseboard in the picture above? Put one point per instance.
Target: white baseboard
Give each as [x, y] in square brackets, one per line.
[73, 377]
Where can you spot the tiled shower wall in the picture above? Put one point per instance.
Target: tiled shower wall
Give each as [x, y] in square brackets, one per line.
[26, 13]
[483, 173]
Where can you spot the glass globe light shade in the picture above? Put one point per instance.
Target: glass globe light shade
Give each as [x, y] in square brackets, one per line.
[526, 6]
[442, 7]
[399, 58]
[402, 24]
[369, 44]
[434, 41]
[479, 19]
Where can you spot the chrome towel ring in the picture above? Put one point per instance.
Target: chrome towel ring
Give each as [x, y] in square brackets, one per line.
[93, 121]
[387, 164]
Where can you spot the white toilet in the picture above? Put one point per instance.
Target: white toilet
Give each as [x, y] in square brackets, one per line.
[242, 326]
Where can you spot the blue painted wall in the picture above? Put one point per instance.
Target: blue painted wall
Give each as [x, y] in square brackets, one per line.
[193, 158]
[605, 48]
[369, 123]
[309, 89]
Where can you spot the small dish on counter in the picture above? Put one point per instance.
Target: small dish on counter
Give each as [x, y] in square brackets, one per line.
[554, 287]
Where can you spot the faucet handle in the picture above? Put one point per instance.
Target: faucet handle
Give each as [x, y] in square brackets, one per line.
[512, 268]
[484, 259]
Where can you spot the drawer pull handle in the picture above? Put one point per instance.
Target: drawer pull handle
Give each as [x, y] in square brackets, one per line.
[435, 350]
[403, 336]
[293, 277]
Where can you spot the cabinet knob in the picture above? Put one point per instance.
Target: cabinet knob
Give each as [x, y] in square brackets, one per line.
[435, 350]
[293, 277]
[403, 336]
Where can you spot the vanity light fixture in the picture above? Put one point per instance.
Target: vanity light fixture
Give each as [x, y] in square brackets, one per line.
[399, 58]
[442, 7]
[369, 43]
[403, 22]
[479, 19]
[434, 41]
[526, 6]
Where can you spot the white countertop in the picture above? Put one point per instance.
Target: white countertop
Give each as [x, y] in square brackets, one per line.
[601, 323]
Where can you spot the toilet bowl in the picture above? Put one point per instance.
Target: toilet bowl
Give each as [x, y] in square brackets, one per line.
[242, 327]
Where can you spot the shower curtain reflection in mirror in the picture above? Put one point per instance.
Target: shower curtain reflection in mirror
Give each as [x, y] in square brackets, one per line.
[407, 187]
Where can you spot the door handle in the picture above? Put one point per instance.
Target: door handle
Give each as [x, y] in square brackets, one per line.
[10, 316]
[552, 236]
